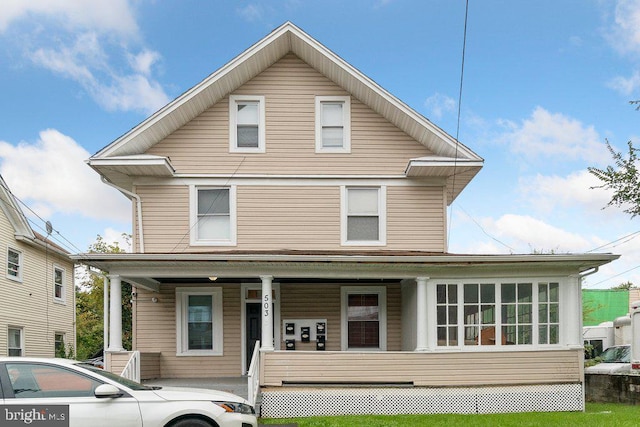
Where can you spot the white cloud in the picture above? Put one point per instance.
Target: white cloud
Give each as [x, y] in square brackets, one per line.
[251, 12]
[90, 43]
[550, 135]
[104, 15]
[625, 30]
[51, 176]
[626, 86]
[439, 104]
[112, 236]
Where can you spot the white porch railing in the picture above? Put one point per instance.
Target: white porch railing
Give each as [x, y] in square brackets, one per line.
[132, 369]
[253, 375]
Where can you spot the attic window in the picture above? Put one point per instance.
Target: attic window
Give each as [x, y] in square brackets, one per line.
[246, 124]
[333, 124]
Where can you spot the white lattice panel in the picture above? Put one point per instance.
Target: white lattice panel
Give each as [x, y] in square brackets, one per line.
[306, 402]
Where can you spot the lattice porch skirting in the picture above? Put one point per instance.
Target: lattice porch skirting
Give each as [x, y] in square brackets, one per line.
[287, 402]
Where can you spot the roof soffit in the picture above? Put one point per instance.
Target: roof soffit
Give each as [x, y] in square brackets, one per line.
[286, 38]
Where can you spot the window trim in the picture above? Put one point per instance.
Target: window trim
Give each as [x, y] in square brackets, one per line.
[21, 330]
[345, 291]
[182, 321]
[498, 306]
[233, 123]
[17, 278]
[63, 342]
[63, 285]
[193, 217]
[382, 216]
[346, 124]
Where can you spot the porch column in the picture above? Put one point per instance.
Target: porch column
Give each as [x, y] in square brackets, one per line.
[572, 307]
[115, 314]
[266, 343]
[422, 343]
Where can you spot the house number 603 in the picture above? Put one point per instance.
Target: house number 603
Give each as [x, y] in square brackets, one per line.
[266, 305]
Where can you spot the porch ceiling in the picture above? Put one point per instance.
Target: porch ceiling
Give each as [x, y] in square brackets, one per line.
[148, 270]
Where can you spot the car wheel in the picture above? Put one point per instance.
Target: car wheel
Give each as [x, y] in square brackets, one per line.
[191, 422]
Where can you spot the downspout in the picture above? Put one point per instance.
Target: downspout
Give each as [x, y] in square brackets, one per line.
[138, 209]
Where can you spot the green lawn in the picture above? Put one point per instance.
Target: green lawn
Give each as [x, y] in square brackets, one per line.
[596, 415]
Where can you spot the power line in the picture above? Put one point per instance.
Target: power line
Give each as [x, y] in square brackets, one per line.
[483, 230]
[629, 237]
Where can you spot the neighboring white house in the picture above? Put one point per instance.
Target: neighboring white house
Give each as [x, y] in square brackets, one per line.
[37, 296]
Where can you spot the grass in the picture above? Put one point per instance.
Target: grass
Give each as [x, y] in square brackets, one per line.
[595, 415]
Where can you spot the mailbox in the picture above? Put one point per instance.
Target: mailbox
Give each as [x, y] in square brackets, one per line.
[290, 344]
[321, 328]
[320, 342]
[305, 334]
[290, 329]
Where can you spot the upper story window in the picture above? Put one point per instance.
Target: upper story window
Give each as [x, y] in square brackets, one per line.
[492, 314]
[363, 216]
[14, 264]
[246, 124]
[333, 124]
[58, 284]
[213, 216]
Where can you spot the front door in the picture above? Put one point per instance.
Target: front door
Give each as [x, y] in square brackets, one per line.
[254, 328]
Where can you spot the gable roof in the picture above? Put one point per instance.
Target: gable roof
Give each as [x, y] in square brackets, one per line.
[128, 150]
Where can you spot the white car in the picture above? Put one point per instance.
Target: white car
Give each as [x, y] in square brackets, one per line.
[60, 392]
[614, 360]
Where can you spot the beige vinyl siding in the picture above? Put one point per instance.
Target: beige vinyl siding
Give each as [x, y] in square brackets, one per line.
[293, 217]
[423, 369]
[29, 304]
[156, 333]
[290, 87]
[322, 301]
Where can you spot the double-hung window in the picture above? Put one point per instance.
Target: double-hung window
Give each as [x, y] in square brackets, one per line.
[363, 216]
[58, 284]
[522, 313]
[15, 342]
[246, 124]
[213, 217]
[199, 321]
[364, 318]
[14, 264]
[59, 345]
[333, 124]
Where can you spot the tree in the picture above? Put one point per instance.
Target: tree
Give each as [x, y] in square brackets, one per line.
[625, 286]
[90, 304]
[622, 178]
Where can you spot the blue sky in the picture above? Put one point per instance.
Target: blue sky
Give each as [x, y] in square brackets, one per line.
[546, 83]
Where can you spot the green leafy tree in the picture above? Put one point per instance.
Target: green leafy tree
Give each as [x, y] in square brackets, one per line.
[624, 286]
[90, 304]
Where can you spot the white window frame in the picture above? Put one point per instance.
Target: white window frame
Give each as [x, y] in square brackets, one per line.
[346, 124]
[233, 123]
[182, 320]
[63, 285]
[55, 342]
[382, 216]
[17, 278]
[345, 291]
[193, 222]
[21, 348]
[498, 282]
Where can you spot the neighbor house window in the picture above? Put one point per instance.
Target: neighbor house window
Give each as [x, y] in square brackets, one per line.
[199, 321]
[14, 264]
[58, 284]
[59, 347]
[364, 317]
[333, 124]
[15, 342]
[213, 216]
[246, 123]
[363, 221]
[497, 314]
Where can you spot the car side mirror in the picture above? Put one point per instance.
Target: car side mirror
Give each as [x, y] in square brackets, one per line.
[106, 391]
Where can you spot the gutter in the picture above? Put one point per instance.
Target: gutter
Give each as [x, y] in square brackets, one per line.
[138, 208]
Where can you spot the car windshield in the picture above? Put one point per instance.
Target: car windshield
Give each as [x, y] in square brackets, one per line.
[113, 377]
[616, 355]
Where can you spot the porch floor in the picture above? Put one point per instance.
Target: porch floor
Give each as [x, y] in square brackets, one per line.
[235, 385]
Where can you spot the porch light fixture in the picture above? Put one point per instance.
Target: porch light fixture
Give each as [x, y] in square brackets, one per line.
[154, 299]
[213, 278]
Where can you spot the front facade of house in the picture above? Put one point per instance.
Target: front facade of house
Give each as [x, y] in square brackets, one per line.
[37, 303]
[289, 200]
